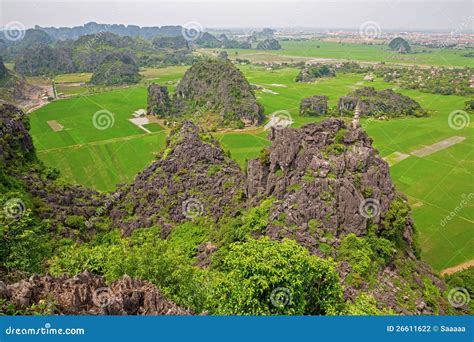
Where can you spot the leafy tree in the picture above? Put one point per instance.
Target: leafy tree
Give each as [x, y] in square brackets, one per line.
[265, 277]
[24, 242]
[399, 44]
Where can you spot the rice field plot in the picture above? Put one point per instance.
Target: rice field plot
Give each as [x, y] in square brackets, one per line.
[314, 49]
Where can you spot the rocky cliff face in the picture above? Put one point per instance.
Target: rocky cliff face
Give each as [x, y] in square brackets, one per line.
[3, 69]
[16, 145]
[219, 86]
[191, 178]
[314, 106]
[376, 103]
[87, 294]
[327, 178]
[158, 101]
[312, 73]
[269, 44]
[17, 158]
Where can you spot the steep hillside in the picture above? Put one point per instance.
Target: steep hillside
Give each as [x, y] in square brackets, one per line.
[14, 88]
[219, 86]
[116, 69]
[193, 176]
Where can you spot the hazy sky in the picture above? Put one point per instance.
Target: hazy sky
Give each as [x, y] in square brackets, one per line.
[447, 15]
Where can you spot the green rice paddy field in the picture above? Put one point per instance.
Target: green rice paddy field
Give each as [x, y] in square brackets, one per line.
[434, 184]
[358, 52]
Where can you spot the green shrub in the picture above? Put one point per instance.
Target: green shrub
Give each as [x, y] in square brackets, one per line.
[24, 242]
[258, 271]
[365, 254]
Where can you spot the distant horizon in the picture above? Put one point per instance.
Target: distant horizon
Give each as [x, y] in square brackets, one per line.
[237, 28]
[390, 15]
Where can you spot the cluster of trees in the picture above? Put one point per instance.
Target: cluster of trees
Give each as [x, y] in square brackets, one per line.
[312, 72]
[400, 45]
[445, 81]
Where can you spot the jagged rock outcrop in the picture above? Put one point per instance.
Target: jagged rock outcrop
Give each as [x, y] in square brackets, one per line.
[60, 202]
[191, 178]
[323, 175]
[312, 73]
[347, 104]
[54, 202]
[380, 103]
[16, 145]
[269, 44]
[88, 294]
[314, 106]
[158, 101]
[219, 86]
[14, 88]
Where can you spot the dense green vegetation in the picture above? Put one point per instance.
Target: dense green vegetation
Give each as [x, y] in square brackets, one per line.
[313, 72]
[88, 52]
[400, 45]
[116, 69]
